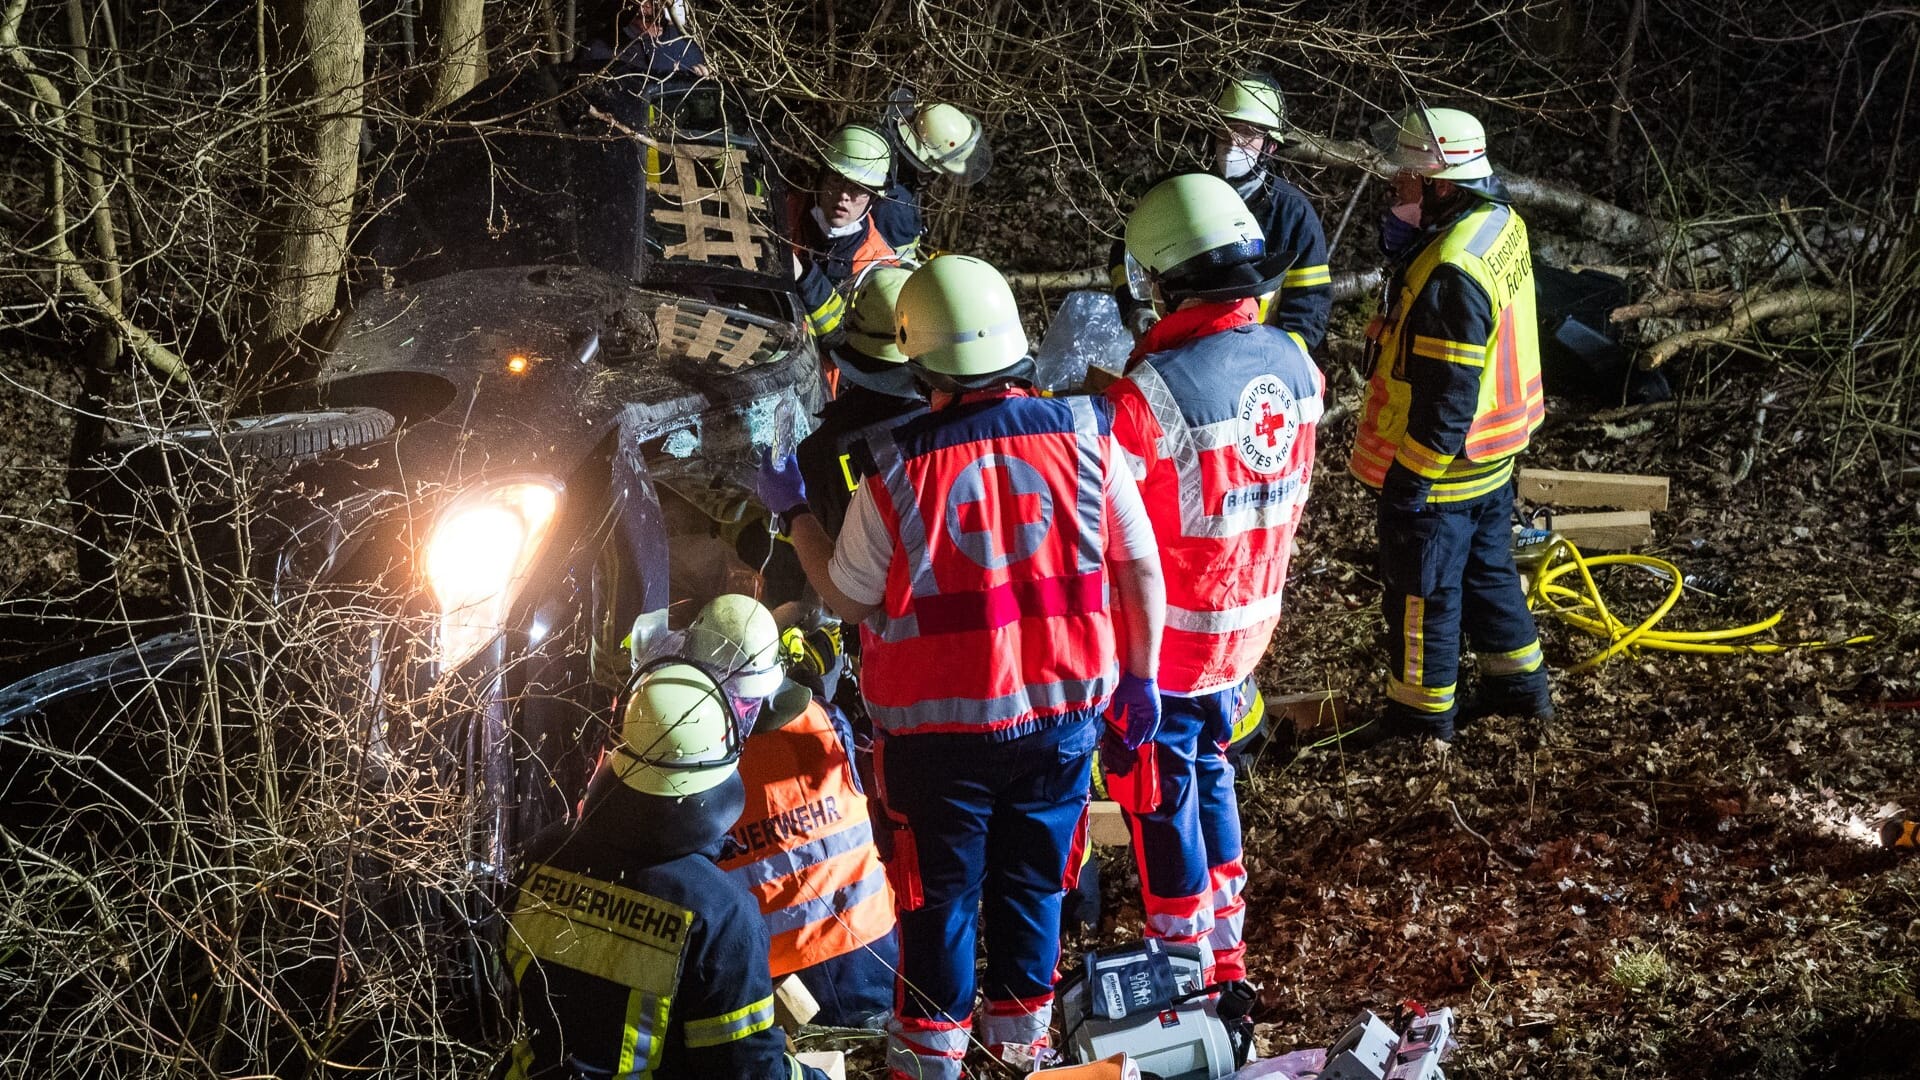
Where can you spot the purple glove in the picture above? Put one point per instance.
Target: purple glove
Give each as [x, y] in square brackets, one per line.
[778, 485]
[1133, 716]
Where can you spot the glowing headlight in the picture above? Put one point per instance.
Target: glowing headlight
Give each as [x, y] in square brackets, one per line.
[478, 557]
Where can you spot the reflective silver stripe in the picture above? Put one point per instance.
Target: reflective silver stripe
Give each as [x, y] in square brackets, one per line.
[1175, 928]
[1090, 497]
[1223, 622]
[1256, 506]
[779, 864]
[808, 912]
[1023, 1028]
[1489, 230]
[974, 712]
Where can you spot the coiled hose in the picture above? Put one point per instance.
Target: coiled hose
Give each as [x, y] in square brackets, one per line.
[1587, 610]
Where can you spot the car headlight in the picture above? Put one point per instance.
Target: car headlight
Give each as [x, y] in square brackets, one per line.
[477, 558]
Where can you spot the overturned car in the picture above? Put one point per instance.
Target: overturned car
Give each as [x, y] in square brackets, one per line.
[404, 597]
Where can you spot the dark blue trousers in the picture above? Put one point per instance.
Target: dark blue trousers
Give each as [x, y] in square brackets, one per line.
[1446, 568]
[973, 821]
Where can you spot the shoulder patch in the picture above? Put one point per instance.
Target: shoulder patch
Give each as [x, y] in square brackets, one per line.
[1269, 421]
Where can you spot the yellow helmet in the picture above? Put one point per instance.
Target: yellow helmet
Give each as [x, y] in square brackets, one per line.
[677, 733]
[1253, 99]
[860, 154]
[870, 324]
[956, 317]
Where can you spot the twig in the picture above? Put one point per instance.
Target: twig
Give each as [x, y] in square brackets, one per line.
[1340, 230]
[1806, 248]
[1676, 301]
[1743, 460]
[1491, 850]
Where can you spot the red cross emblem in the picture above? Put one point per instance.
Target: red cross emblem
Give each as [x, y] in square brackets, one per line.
[999, 510]
[1269, 426]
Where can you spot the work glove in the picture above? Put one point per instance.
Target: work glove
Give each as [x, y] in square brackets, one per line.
[1133, 714]
[778, 484]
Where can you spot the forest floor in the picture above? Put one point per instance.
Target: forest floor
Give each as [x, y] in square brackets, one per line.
[1677, 876]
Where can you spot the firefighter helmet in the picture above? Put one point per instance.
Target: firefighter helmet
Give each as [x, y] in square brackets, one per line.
[736, 636]
[1253, 99]
[1443, 144]
[956, 317]
[677, 733]
[1194, 235]
[860, 154]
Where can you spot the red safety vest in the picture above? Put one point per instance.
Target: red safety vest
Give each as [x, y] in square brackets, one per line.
[1221, 414]
[996, 614]
[804, 846]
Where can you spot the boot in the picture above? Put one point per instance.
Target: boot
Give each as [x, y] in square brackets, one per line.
[1528, 696]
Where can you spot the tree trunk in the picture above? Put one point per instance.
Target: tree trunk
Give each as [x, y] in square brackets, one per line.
[304, 248]
[460, 40]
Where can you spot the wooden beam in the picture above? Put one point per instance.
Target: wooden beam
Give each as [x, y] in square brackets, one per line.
[1106, 825]
[793, 1003]
[1313, 711]
[1624, 490]
[831, 1062]
[1615, 531]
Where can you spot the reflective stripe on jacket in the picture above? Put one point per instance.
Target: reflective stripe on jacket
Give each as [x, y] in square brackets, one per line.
[1489, 246]
[1221, 429]
[804, 847]
[996, 615]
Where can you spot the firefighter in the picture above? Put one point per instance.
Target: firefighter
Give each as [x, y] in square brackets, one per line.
[1245, 152]
[871, 386]
[634, 954]
[999, 561]
[1217, 414]
[804, 844]
[855, 218]
[1454, 395]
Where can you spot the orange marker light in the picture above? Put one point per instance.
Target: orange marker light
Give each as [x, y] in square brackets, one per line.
[516, 365]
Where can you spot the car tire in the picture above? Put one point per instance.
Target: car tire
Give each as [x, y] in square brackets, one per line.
[271, 437]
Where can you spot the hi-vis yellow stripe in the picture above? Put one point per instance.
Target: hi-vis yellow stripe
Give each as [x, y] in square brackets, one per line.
[1452, 488]
[1453, 352]
[1306, 277]
[734, 1026]
[600, 928]
[1424, 462]
[825, 319]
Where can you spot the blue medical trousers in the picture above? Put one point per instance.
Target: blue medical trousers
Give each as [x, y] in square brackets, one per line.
[1443, 566]
[1188, 848]
[973, 819]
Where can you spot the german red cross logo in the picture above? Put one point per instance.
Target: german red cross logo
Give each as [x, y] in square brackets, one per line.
[999, 510]
[1269, 421]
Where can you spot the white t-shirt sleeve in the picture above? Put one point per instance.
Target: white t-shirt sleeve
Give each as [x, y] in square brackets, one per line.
[864, 553]
[1129, 530]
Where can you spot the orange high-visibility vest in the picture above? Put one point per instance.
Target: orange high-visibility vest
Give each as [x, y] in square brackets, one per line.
[804, 846]
[1490, 246]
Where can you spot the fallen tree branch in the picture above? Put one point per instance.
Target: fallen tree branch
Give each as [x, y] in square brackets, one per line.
[1744, 458]
[1749, 310]
[1677, 301]
[1346, 285]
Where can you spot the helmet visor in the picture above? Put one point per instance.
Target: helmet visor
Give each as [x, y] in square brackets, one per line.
[1409, 143]
[1139, 283]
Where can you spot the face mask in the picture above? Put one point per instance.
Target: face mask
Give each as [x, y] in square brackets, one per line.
[1237, 162]
[1399, 228]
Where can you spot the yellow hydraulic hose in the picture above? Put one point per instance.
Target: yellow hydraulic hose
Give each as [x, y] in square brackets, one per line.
[1587, 611]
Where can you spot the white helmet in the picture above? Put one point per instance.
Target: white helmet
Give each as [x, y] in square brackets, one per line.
[677, 734]
[737, 638]
[1445, 144]
[940, 137]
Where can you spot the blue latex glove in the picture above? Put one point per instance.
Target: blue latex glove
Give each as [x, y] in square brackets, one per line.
[1133, 715]
[778, 485]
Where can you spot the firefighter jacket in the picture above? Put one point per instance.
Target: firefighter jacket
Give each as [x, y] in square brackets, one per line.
[804, 846]
[835, 458]
[995, 619]
[634, 961]
[888, 235]
[1455, 390]
[1218, 417]
[1289, 223]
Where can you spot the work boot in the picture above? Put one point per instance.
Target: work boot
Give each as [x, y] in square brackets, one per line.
[1399, 722]
[1527, 696]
